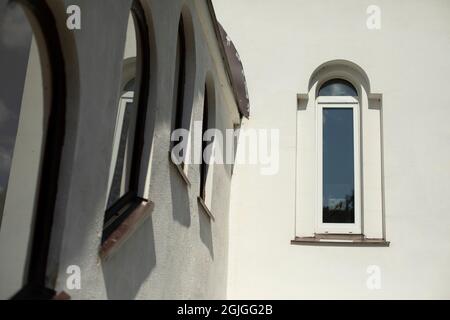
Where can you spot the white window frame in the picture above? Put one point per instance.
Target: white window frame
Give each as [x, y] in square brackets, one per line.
[338, 102]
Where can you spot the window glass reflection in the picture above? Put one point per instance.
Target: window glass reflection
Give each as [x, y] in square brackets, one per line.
[15, 39]
[205, 164]
[337, 87]
[180, 83]
[23, 126]
[338, 166]
[125, 130]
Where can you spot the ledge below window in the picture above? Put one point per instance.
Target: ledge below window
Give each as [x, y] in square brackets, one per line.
[205, 208]
[126, 229]
[341, 240]
[180, 170]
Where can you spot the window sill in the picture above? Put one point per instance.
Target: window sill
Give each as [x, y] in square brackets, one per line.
[34, 292]
[341, 240]
[205, 208]
[126, 229]
[62, 296]
[180, 170]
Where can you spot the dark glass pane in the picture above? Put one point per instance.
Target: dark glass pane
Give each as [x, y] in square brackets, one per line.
[129, 86]
[204, 165]
[337, 87]
[180, 75]
[16, 35]
[338, 166]
[180, 78]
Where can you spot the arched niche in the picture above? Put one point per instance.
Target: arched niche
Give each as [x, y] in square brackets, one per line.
[370, 148]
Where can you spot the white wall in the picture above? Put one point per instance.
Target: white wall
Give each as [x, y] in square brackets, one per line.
[281, 44]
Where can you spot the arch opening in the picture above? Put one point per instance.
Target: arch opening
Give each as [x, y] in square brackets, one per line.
[340, 69]
[128, 143]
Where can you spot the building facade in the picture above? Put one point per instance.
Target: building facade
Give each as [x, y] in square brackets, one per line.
[396, 56]
[92, 91]
[338, 184]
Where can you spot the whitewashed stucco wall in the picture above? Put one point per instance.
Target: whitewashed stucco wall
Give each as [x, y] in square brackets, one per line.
[177, 253]
[281, 44]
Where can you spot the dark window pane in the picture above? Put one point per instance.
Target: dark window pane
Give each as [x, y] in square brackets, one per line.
[180, 82]
[338, 166]
[204, 165]
[180, 76]
[337, 87]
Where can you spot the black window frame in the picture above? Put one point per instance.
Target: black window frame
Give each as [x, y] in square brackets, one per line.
[205, 126]
[122, 208]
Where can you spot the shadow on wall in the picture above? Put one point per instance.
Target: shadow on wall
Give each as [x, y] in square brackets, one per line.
[131, 265]
[180, 198]
[206, 231]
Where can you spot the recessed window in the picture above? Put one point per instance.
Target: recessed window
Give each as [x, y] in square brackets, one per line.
[123, 187]
[338, 155]
[32, 113]
[207, 141]
[208, 147]
[123, 144]
[184, 81]
[180, 81]
[180, 75]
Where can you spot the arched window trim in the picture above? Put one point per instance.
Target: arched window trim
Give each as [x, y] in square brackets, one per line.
[123, 207]
[45, 30]
[185, 74]
[181, 75]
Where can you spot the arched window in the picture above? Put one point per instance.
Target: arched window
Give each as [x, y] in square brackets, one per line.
[123, 195]
[32, 114]
[208, 146]
[205, 162]
[338, 158]
[340, 124]
[208, 122]
[180, 76]
[184, 86]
